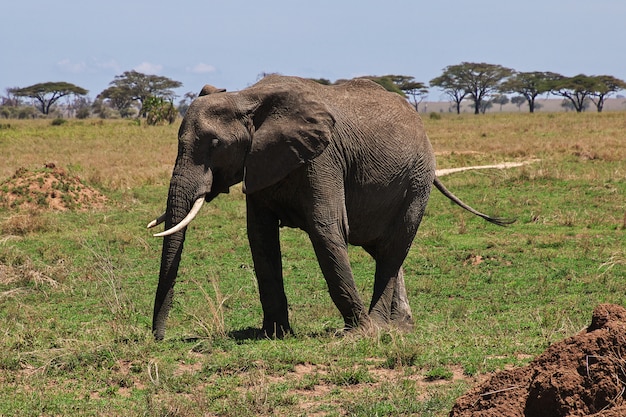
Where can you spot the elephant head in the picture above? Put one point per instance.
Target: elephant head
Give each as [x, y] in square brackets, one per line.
[258, 136]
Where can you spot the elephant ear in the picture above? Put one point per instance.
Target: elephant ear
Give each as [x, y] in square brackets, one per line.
[291, 127]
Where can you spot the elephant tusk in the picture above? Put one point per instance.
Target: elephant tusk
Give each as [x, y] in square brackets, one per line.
[190, 216]
[156, 221]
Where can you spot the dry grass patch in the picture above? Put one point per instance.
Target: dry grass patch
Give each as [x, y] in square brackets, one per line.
[22, 276]
[472, 140]
[23, 223]
[115, 154]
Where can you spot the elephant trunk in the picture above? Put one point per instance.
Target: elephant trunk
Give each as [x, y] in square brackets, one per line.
[178, 209]
[170, 259]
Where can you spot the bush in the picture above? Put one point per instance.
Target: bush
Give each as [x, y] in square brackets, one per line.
[19, 112]
[158, 111]
[83, 113]
[58, 121]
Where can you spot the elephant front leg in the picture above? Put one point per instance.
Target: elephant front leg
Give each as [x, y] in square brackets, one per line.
[264, 241]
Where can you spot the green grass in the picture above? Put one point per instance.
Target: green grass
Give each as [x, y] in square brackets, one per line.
[76, 288]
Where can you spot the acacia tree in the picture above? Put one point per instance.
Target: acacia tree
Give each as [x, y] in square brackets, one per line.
[474, 80]
[120, 98]
[387, 82]
[480, 80]
[518, 101]
[575, 89]
[405, 85]
[605, 86]
[10, 99]
[500, 99]
[134, 86]
[415, 90]
[48, 93]
[452, 85]
[529, 85]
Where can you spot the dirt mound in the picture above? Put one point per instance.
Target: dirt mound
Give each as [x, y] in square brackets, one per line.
[584, 375]
[50, 188]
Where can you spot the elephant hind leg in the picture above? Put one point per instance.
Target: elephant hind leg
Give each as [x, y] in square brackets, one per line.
[390, 304]
[401, 314]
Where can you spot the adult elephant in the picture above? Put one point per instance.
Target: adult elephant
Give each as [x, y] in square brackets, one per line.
[347, 164]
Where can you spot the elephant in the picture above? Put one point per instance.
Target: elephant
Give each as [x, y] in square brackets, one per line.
[347, 164]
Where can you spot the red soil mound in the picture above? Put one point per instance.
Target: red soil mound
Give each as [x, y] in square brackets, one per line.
[50, 188]
[584, 375]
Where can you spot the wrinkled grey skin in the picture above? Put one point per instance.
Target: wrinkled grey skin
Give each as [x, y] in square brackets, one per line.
[346, 164]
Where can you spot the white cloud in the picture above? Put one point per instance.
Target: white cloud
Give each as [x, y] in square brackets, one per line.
[111, 64]
[202, 68]
[73, 67]
[148, 68]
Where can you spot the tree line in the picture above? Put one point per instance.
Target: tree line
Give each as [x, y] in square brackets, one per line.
[480, 81]
[131, 94]
[134, 94]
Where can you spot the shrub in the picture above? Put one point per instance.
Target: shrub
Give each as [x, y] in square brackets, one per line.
[83, 113]
[158, 111]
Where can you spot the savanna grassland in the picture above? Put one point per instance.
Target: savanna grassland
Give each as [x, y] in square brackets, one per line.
[77, 286]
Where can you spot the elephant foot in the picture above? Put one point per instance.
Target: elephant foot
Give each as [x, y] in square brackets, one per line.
[401, 317]
[400, 320]
[360, 320]
[363, 327]
[403, 323]
[274, 329]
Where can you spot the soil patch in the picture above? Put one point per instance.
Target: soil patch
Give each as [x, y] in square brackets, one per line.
[49, 188]
[584, 375]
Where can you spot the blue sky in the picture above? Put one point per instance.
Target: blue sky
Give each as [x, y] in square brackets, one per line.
[229, 43]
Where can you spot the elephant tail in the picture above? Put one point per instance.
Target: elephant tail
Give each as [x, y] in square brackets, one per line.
[495, 220]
